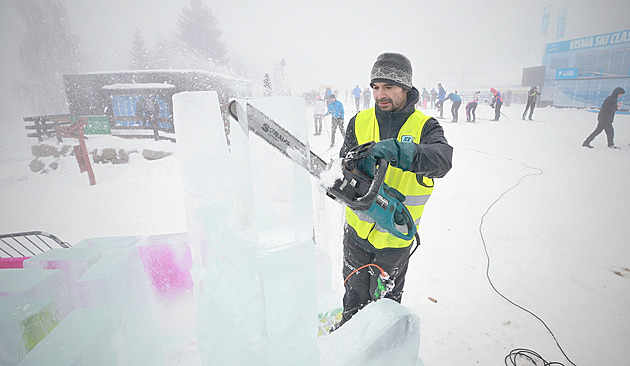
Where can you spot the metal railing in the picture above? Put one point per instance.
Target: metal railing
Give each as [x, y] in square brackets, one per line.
[28, 243]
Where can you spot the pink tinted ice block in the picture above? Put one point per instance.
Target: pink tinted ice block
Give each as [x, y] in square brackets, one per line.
[13, 262]
[167, 262]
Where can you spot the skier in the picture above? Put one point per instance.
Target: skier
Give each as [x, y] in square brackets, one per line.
[433, 96]
[356, 92]
[497, 102]
[457, 101]
[425, 97]
[366, 97]
[605, 119]
[532, 96]
[318, 114]
[414, 145]
[441, 97]
[335, 108]
[471, 107]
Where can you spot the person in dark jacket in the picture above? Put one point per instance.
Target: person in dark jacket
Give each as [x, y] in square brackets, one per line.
[417, 151]
[532, 96]
[441, 98]
[605, 119]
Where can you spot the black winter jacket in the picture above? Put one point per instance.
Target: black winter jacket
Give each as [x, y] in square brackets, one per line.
[609, 107]
[433, 156]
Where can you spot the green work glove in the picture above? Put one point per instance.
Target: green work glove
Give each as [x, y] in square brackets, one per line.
[398, 154]
[367, 165]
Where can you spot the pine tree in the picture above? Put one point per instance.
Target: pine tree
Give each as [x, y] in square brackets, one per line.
[267, 85]
[160, 58]
[198, 32]
[139, 53]
[48, 50]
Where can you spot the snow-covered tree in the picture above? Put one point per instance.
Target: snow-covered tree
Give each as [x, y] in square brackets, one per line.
[139, 53]
[267, 85]
[48, 50]
[199, 33]
[160, 55]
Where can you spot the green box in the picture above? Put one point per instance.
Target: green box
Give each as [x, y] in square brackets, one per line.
[96, 125]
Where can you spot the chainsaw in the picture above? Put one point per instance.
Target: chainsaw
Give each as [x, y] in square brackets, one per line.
[356, 187]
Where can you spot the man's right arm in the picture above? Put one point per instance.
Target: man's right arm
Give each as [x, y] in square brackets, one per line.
[351, 139]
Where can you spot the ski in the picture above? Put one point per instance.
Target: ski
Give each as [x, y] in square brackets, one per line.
[265, 127]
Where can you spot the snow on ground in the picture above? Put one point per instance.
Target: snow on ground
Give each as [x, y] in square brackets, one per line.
[557, 242]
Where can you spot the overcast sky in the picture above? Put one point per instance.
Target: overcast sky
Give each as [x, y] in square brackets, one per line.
[459, 43]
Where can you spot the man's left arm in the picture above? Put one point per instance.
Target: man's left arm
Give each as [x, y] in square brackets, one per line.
[433, 156]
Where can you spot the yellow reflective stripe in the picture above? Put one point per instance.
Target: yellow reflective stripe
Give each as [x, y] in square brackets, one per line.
[382, 240]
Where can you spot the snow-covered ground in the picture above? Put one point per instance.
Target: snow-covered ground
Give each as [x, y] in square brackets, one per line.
[557, 244]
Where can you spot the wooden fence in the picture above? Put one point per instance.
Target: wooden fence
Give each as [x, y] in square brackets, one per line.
[49, 126]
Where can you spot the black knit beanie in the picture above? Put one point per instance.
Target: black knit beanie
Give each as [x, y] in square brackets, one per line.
[392, 68]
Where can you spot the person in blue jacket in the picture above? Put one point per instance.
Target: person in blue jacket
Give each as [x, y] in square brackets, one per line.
[457, 102]
[356, 93]
[335, 108]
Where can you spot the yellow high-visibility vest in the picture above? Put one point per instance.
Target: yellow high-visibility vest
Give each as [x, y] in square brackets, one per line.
[366, 130]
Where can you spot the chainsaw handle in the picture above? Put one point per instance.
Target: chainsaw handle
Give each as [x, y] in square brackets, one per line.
[365, 202]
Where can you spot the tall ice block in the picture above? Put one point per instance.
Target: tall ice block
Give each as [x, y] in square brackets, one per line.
[249, 213]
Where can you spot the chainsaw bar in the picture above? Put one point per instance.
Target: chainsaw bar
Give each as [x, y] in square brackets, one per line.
[265, 127]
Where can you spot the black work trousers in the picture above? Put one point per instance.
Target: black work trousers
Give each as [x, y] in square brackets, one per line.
[361, 285]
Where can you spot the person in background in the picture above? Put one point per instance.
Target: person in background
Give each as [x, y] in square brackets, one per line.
[425, 97]
[471, 107]
[508, 98]
[417, 151]
[497, 102]
[532, 96]
[356, 93]
[605, 119]
[433, 97]
[457, 102]
[327, 94]
[335, 108]
[367, 95]
[318, 114]
[441, 98]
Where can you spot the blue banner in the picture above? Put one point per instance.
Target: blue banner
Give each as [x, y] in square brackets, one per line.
[601, 40]
[562, 20]
[545, 21]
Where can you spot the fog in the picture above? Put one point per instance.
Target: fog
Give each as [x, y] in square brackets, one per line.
[463, 44]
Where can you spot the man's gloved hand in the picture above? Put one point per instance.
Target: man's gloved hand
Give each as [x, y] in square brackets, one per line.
[398, 154]
[367, 165]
